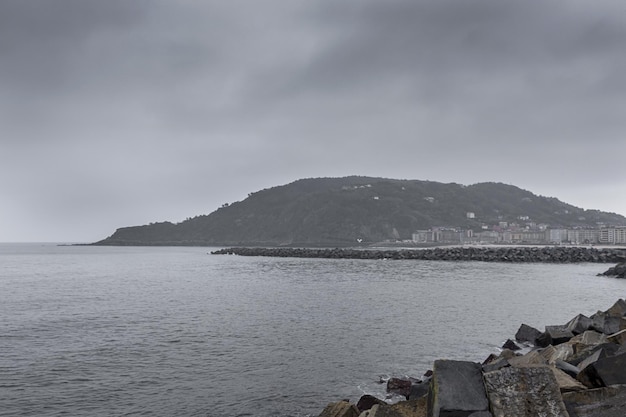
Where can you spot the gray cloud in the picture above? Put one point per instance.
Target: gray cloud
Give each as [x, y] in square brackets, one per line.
[117, 113]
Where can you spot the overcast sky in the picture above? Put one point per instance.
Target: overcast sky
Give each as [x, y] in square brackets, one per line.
[119, 113]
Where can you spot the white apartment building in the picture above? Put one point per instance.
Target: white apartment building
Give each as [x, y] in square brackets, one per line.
[613, 235]
[583, 236]
[556, 235]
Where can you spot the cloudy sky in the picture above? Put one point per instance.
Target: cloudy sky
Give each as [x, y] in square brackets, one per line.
[118, 113]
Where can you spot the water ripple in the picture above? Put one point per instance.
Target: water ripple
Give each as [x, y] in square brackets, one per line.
[172, 331]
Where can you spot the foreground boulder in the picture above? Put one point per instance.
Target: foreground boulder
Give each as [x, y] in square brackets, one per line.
[524, 392]
[610, 370]
[581, 371]
[599, 402]
[457, 389]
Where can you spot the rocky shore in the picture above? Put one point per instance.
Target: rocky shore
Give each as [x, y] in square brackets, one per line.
[553, 254]
[617, 271]
[576, 369]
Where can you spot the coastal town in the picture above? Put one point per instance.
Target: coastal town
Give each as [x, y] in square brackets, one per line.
[524, 231]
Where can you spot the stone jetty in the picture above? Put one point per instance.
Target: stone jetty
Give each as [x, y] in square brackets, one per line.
[574, 369]
[551, 254]
[617, 271]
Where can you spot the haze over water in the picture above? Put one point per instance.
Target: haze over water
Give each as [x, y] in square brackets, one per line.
[175, 331]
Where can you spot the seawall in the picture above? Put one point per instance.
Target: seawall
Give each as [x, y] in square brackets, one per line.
[549, 254]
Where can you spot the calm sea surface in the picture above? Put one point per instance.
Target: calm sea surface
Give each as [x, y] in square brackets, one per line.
[100, 331]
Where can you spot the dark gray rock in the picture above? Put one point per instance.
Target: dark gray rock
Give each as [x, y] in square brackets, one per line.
[511, 345]
[617, 271]
[527, 333]
[368, 401]
[606, 323]
[543, 340]
[524, 392]
[593, 353]
[457, 389]
[558, 334]
[608, 349]
[586, 340]
[399, 386]
[419, 389]
[491, 358]
[597, 321]
[618, 309]
[610, 370]
[579, 324]
[599, 402]
[593, 357]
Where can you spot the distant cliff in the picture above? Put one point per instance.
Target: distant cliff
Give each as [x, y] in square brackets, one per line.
[344, 211]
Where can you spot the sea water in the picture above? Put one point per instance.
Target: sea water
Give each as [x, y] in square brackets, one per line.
[175, 331]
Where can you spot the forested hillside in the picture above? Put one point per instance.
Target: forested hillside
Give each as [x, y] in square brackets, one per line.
[343, 211]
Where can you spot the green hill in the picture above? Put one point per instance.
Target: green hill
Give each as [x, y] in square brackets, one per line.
[338, 211]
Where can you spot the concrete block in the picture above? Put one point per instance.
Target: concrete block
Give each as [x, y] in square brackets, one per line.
[457, 389]
[610, 370]
[579, 324]
[527, 333]
[524, 392]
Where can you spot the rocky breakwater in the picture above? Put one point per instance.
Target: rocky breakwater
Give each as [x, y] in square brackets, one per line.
[576, 369]
[617, 271]
[554, 254]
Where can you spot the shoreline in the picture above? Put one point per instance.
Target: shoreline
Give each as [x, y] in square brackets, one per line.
[576, 369]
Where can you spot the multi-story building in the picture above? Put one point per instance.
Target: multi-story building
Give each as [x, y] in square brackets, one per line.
[583, 236]
[538, 235]
[533, 236]
[613, 235]
[440, 234]
[422, 236]
[488, 236]
[556, 235]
